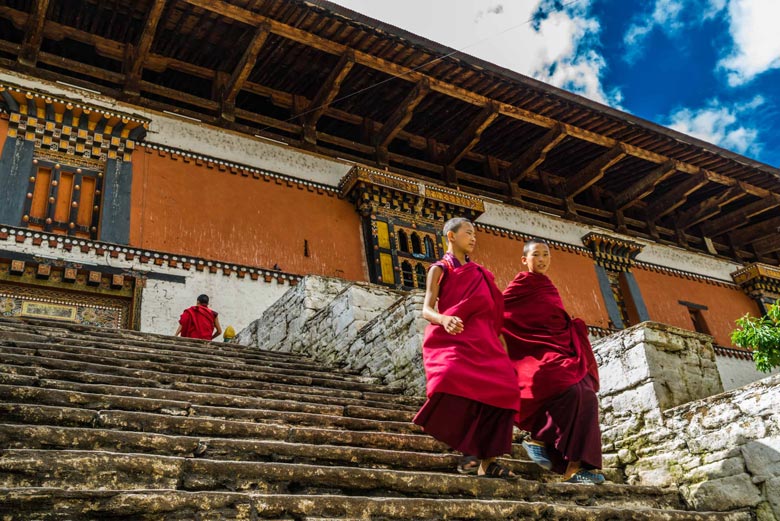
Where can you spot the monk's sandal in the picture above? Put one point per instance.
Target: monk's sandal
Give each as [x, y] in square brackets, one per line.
[538, 455]
[586, 477]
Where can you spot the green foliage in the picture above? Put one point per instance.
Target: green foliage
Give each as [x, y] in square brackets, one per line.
[762, 336]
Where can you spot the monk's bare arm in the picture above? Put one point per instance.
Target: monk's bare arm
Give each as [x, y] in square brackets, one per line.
[219, 328]
[178, 331]
[503, 343]
[452, 325]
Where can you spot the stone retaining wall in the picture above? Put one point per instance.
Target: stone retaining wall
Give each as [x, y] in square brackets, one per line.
[666, 422]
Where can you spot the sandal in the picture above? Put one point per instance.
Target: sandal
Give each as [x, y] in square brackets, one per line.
[468, 465]
[494, 470]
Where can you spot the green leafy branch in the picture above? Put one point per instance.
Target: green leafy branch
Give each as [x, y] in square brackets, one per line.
[762, 336]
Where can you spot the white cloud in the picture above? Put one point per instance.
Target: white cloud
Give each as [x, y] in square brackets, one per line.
[559, 46]
[666, 15]
[756, 43]
[720, 124]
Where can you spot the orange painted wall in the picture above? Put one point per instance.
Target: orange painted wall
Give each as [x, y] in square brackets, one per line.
[662, 293]
[188, 209]
[3, 131]
[574, 275]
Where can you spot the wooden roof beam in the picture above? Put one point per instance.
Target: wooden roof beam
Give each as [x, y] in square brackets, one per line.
[675, 197]
[399, 119]
[737, 218]
[326, 94]
[137, 55]
[594, 171]
[470, 136]
[767, 245]
[644, 186]
[33, 34]
[534, 156]
[755, 231]
[708, 208]
[242, 70]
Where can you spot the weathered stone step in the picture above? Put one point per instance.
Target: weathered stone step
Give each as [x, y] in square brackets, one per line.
[33, 375]
[44, 331]
[15, 374]
[47, 504]
[115, 471]
[14, 436]
[205, 360]
[95, 401]
[191, 426]
[126, 360]
[171, 377]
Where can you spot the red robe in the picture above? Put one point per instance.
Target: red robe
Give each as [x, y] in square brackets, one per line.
[198, 322]
[472, 364]
[550, 350]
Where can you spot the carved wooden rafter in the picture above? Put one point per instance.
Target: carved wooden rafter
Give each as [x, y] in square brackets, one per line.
[593, 171]
[137, 55]
[708, 208]
[737, 218]
[644, 186]
[33, 34]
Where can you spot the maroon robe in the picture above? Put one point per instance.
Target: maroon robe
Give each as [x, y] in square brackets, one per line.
[198, 322]
[557, 373]
[472, 395]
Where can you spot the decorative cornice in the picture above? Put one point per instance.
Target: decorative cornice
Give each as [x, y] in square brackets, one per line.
[649, 266]
[157, 258]
[18, 93]
[759, 280]
[611, 252]
[372, 189]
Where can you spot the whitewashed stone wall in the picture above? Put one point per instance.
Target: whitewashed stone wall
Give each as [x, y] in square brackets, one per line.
[736, 372]
[329, 334]
[390, 346]
[285, 318]
[665, 423]
[374, 331]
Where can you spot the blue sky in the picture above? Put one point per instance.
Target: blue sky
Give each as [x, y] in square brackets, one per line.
[708, 68]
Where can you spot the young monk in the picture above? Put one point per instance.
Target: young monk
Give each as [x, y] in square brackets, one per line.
[556, 372]
[472, 395]
[199, 321]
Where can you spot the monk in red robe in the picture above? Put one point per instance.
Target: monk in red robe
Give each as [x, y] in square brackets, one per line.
[556, 373]
[471, 389]
[199, 321]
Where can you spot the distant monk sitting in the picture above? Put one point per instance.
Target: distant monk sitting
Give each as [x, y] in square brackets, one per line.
[556, 372]
[199, 321]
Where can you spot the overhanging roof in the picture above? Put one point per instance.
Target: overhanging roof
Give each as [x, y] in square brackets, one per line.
[307, 73]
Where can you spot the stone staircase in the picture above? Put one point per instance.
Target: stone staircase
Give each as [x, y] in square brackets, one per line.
[102, 424]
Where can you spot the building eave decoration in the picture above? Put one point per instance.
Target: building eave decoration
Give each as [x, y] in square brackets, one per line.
[371, 189]
[758, 280]
[611, 252]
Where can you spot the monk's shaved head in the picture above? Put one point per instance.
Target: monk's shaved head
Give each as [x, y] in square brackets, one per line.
[453, 225]
[530, 243]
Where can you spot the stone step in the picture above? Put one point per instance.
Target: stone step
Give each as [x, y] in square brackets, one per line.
[95, 401]
[116, 471]
[14, 436]
[48, 504]
[31, 414]
[170, 375]
[204, 360]
[67, 379]
[124, 339]
[171, 367]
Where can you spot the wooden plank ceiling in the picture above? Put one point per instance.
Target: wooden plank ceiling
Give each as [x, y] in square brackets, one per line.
[321, 77]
